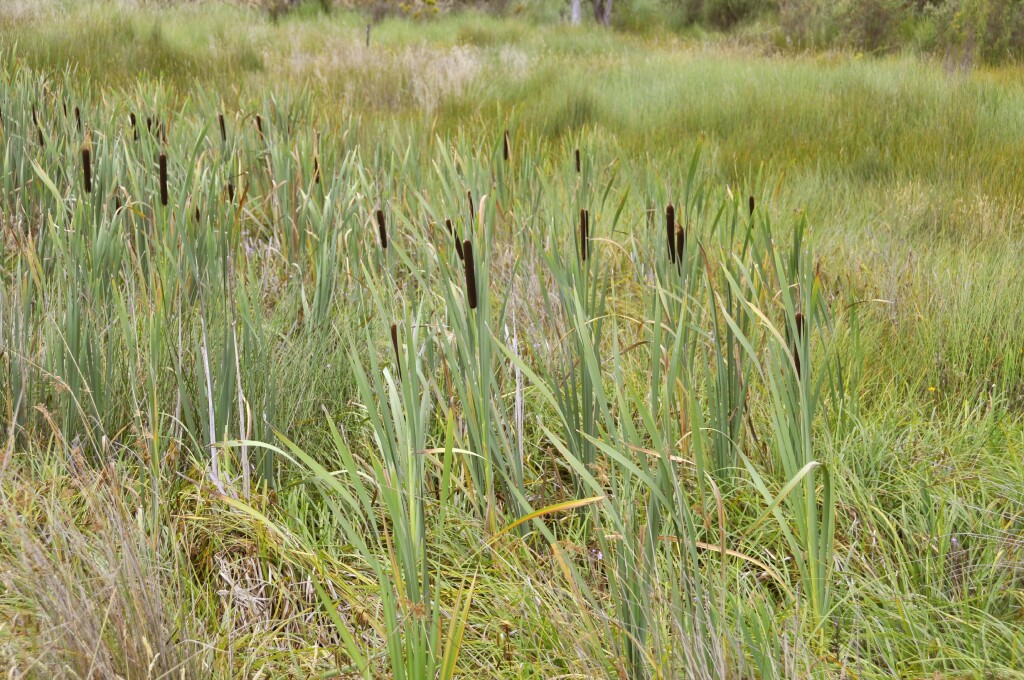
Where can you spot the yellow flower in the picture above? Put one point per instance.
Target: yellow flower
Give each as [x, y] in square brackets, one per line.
[931, 388]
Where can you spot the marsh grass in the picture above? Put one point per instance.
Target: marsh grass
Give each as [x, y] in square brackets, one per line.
[555, 436]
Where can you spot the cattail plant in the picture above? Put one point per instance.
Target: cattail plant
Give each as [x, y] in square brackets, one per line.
[231, 192]
[78, 119]
[163, 179]
[467, 250]
[798, 320]
[458, 243]
[670, 231]
[135, 129]
[382, 229]
[259, 125]
[394, 343]
[579, 165]
[149, 125]
[87, 169]
[750, 204]
[584, 233]
[223, 130]
[506, 147]
[472, 210]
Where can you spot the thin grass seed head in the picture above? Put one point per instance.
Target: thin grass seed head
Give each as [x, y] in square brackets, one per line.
[467, 249]
[87, 169]
[163, 179]
[670, 231]
[382, 229]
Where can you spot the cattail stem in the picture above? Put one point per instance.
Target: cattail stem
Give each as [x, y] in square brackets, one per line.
[670, 231]
[163, 179]
[382, 229]
[584, 233]
[87, 169]
[394, 343]
[467, 250]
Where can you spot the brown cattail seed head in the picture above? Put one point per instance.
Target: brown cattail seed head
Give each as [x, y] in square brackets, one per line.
[670, 231]
[231, 191]
[259, 125]
[163, 179]
[467, 250]
[750, 204]
[584, 233]
[579, 165]
[458, 243]
[506, 146]
[223, 130]
[799, 323]
[87, 169]
[472, 209]
[78, 119]
[382, 229]
[394, 343]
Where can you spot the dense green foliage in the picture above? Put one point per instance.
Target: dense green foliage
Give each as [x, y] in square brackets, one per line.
[714, 372]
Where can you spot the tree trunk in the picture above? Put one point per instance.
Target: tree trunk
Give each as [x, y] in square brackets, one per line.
[576, 12]
[606, 17]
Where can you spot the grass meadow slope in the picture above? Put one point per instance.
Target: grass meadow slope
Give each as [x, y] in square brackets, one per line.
[497, 349]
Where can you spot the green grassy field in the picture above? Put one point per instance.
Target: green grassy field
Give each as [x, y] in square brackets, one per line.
[499, 349]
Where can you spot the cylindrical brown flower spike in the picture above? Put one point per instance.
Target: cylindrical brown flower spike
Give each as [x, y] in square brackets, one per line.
[163, 179]
[750, 204]
[149, 124]
[584, 233]
[472, 210]
[135, 130]
[259, 125]
[231, 192]
[799, 319]
[78, 119]
[458, 243]
[670, 231]
[578, 164]
[506, 146]
[382, 228]
[87, 169]
[394, 343]
[467, 250]
[223, 130]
